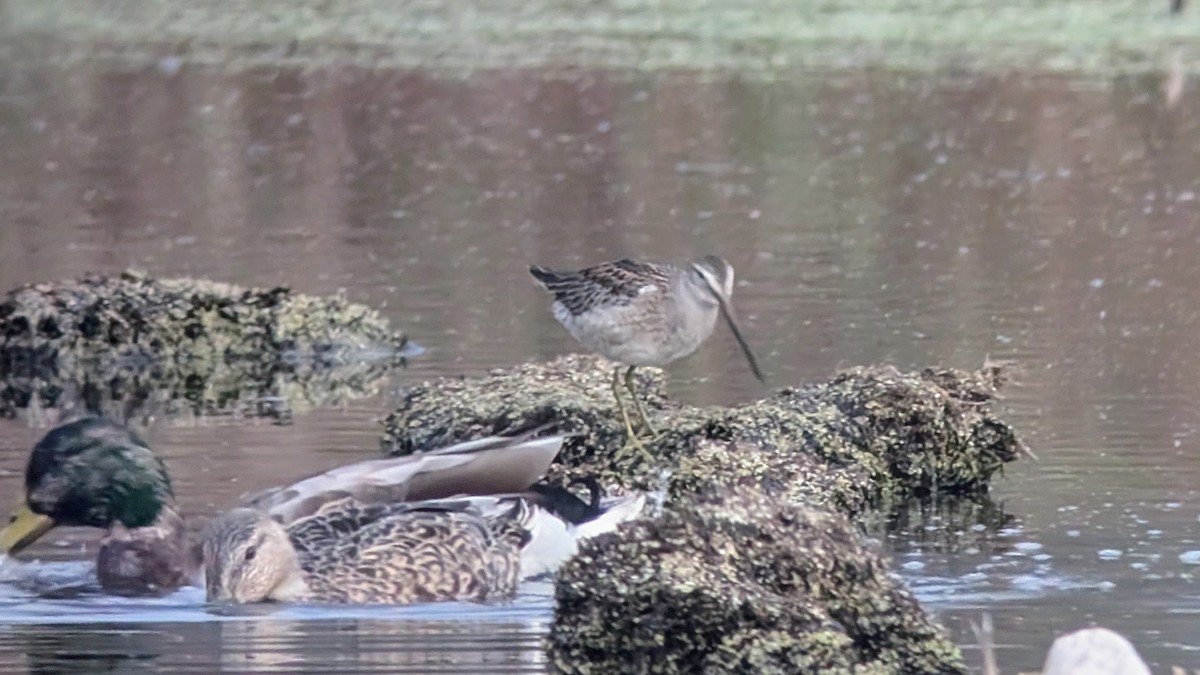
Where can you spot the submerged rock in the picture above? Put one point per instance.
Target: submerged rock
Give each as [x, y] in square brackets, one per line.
[127, 343]
[867, 435]
[730, 582]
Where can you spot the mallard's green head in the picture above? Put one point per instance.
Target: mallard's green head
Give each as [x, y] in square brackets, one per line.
[90, 472]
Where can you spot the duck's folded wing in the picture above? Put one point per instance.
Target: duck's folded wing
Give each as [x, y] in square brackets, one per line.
[488, 466]
[347, 519]
[544, 538]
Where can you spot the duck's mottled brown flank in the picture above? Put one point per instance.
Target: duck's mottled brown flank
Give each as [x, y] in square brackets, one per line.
[399, 555]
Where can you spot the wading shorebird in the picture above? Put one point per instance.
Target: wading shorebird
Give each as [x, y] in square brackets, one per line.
[644, 314]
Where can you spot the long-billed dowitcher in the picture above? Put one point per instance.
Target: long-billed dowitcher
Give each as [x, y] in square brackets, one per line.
[644, 314]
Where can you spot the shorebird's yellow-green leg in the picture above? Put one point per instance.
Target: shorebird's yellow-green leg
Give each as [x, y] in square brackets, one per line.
[638, 404]
[630, 437]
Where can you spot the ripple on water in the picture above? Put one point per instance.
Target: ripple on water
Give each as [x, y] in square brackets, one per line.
[67, 592]
[56, 620]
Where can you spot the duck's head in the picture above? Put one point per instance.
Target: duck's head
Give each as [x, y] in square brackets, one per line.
[90, 472]
[248, 557]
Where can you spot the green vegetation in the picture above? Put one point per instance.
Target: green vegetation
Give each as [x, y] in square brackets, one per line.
[764, 38]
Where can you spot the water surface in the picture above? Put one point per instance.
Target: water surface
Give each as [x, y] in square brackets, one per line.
[872, 215]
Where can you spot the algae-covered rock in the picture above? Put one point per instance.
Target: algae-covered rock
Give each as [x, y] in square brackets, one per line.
[186, 345]
[790, 477]
[573, 391]
[867, 435]
[727, 582]
[753, 567]
[917, 433]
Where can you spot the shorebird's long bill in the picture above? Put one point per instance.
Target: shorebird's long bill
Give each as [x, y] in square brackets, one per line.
[727, 312]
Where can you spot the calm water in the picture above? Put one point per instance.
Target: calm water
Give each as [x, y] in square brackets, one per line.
[916, 219]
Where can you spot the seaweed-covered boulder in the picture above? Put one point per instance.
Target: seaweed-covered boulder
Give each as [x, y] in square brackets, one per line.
[186, 345]
[753, 567]
[729, 582]
[882, 433]
[790, 477]
[574, 390]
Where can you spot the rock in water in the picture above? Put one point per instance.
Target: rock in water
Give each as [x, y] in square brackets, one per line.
[881, 433]
[1093, 651]
[215, 347]
[738, 583]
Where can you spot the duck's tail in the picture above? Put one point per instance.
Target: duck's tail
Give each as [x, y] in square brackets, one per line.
[553, 540]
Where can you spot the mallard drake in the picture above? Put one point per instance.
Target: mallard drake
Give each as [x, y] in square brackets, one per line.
[94, 472]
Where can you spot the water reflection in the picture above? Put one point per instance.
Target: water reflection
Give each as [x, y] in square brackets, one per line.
[366, 646]
[142, 392]
[338, 646]
[913, 218]
[101, 648]
[178, 633]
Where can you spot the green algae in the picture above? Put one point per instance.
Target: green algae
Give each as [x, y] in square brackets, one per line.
[131, 344]
[770, 38]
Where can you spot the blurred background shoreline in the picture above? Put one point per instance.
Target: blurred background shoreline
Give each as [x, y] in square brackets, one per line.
[768, 39]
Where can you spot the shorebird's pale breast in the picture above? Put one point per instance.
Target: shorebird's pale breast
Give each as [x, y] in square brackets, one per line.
[645, 332]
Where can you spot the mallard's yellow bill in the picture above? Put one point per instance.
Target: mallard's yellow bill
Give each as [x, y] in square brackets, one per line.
[24, 528]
